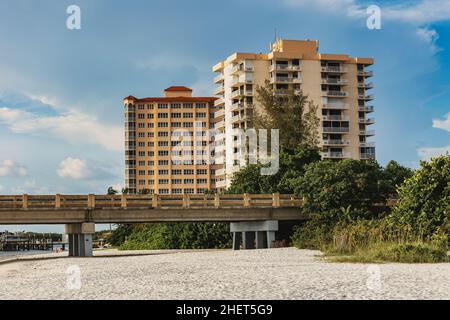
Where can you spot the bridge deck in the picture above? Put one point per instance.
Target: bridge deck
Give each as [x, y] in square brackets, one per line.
[62, 209]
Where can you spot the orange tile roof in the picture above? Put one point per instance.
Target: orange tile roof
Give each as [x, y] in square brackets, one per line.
[172, 99]
[178, 88]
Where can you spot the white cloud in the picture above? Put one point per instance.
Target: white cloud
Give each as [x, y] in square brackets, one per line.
[420, 12]
[430, 36]
[428, 153]
[74, 127]
[73, 168]
[442, 124]
[11, 168]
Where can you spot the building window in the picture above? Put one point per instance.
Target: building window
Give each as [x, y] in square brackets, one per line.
[200, 114]
[163, 143]
[188, 124]
[163, 134]
[188, 105]
[188, 115]
[142, 182]
[176, 115]
[150, 116]
[163, 191]
[177, 191]
[150, 125]
[176, 124]
[141, 116]
[202, 171]
[151, 172]
[163, 181]
[141, 125]
[163, 172]
[202, 181]
[176, 105]
[177, 172]
[163, 124]
[188, 171]
[163, 106]
[141, 154]
[163, 162]
[177, 181]
[188, 181]
[163, 153]
[151, 182]
[163, 115]
[149, 107]
[141, 107]
[189, 191]
[201, 105]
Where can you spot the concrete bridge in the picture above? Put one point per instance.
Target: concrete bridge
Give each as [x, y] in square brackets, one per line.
[253, 218]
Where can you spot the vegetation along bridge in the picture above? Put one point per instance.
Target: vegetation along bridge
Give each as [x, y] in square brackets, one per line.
[254, 218]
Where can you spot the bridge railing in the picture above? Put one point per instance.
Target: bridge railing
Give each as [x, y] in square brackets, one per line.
[59, 201]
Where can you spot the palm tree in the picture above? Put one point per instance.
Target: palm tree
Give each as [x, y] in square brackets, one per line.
[111, 191]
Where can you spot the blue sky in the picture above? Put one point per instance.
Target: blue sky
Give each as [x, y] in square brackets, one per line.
[61, 90]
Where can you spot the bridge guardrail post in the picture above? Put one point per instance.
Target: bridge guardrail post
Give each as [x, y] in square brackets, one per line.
[246, 200]
[276, 200]
[58, 201]
[91, 201]
[216, 200]
[155, 201]
[25, 201]
[123, 200]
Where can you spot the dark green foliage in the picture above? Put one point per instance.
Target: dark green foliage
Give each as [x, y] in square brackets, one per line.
[177, 236]
[292, 165]
[424, 199]
[393, 176]
[335, 190]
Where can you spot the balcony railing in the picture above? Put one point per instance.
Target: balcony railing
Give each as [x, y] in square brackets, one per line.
[219, 102]
[334, 81]
[336, 106]
[365, 97]
[366, 108]
[218, 78]
[336, 142]
[241, 68]
[338, 94]
[365, 85]
[367, 120]
[336, 69]
[335, 129]
[219, 124]
[367, 144]
[219, 90]
[335, 118]
[365, 73]
[336, 155]
[367, 156]
[219, 113]
[367, 132]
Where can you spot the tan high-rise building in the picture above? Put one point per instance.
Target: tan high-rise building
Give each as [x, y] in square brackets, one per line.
[335, 82]
[155, 128]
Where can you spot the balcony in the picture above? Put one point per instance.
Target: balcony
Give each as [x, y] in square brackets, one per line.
[219, 90]
[336, 142]
[219, 113]
[367, 132]
[220, 172]
[365, 85]
[219, 124]
[284, 67]
[335, 118]
[219, 102]
[335, 129]
[334, 81]
[335, 94]
[367, 120]
[365, 73]
[367, 156]
[367, 144]
[285, 80]
[334, 69]
[366, 108]
[238, 118]
[336, 155]
[241, 68]
[365, 97]
[336, 106]
[218, 78]
[221, 184]
[237, 106]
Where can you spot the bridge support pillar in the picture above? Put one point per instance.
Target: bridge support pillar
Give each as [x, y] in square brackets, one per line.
[80, 238]
[251, 233]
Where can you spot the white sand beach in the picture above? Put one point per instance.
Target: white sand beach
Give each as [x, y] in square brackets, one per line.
[285, 273]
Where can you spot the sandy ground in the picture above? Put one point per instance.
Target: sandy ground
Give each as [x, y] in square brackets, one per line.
[219, 274]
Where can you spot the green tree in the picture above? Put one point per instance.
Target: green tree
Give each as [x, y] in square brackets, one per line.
[393, 176]
[292, 164]
[111, 191]
[345, 189]
[293, 113]
[424, 199]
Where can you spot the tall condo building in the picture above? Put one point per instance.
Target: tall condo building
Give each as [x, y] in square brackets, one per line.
[167, 143]
[336, 83]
